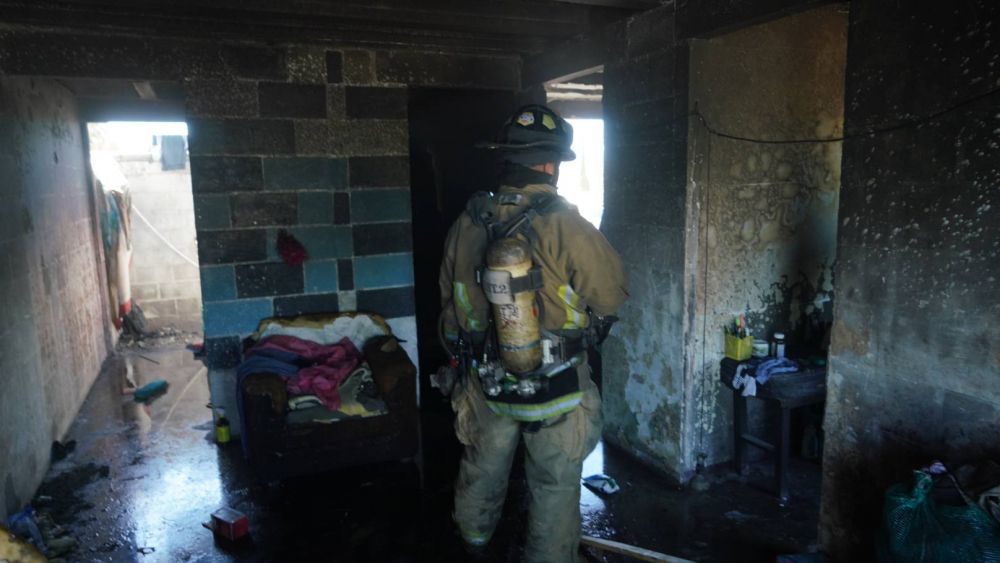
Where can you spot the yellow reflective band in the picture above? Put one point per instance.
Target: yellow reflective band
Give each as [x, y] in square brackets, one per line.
[474, 538]
[574, 316]
[531, 413]
[462, 298]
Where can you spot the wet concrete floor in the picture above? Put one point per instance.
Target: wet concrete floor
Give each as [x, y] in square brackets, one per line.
[142, 479]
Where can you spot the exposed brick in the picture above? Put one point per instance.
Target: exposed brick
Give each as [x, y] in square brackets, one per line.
[438, 69]
[345, 274]
[334, 67]
[376, 103]
[358, 67]
[190, 307]
[336, 102]
[226, 247]
[252, 210]
[370, 172]
[353, 137]
[384, 238]
[225, 174]
[390, 303]
[306, 304]
[279, 99]
[274, 278]
[240, 136]
[305, 173]
[221, 98]
[306, 64]
[145, 291]
[119, 56]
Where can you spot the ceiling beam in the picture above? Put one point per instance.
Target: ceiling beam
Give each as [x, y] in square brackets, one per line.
[621, 4]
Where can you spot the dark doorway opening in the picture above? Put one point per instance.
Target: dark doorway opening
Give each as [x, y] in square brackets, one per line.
[445, 169]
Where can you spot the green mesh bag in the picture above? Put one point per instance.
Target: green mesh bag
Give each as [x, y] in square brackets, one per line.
[916, 529]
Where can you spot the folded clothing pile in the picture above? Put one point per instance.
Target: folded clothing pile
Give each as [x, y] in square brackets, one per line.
[310, 368]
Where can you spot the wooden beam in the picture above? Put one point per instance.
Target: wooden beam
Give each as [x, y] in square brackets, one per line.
[579, 57]
[630, 550]
[145, 90]
[622, 4]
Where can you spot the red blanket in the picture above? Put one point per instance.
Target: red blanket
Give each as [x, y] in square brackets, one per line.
[327, 366]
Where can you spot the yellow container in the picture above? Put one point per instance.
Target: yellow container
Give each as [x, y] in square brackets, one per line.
[738, 349]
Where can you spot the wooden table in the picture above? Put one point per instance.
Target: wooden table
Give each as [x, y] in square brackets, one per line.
[788, 391]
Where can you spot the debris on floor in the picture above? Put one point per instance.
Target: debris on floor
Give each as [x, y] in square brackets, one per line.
[146, 476]
[632, 551]
[30, 532]
[602, 483]
[229, 523]
[151, 390]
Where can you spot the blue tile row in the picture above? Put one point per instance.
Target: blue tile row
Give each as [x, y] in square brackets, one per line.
[371, 272]
[223, 211]
[224, 318]
[377, 206]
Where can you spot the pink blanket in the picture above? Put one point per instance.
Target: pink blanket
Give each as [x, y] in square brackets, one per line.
[329, 366]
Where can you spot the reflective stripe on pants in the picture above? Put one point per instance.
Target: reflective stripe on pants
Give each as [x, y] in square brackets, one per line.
[553, 465]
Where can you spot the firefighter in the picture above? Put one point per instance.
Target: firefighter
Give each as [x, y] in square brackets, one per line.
[526, 286]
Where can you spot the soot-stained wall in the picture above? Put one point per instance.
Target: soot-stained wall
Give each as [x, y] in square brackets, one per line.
[52, 322]
[762, 217]
[645, 148]
[650, 402]
[915, 354]
[308, 138]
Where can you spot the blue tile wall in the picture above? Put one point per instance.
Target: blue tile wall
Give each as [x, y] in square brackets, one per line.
[379, 206]
[321, 276]
[324, 242]
[224, 318]
[307, 167]
[218, 283]
[372, 272]
[212, 212]
[315, 208]
[305, 173]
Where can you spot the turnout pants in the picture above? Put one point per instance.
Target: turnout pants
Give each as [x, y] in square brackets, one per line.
[555, 454]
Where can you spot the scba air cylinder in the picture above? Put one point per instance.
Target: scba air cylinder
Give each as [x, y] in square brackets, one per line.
[515, 314]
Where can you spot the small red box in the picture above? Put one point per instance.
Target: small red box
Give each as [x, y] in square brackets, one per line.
[230, 524]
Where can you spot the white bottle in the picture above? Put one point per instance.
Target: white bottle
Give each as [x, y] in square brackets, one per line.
[779, 345]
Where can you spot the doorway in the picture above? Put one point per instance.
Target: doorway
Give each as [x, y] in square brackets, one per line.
[445, 169]
[148, 225]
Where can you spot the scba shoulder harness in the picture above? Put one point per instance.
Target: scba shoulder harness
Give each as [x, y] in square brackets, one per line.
[526, 372]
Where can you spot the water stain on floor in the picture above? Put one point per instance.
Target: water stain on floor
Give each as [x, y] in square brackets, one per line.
[144, 477]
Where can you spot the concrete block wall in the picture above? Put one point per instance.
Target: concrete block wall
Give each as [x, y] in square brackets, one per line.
[166, 286]
[312, 139]
[763, 216]
[658, 401]
[915, 354]
[53, 334]
[645, 161]
[317, 146]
